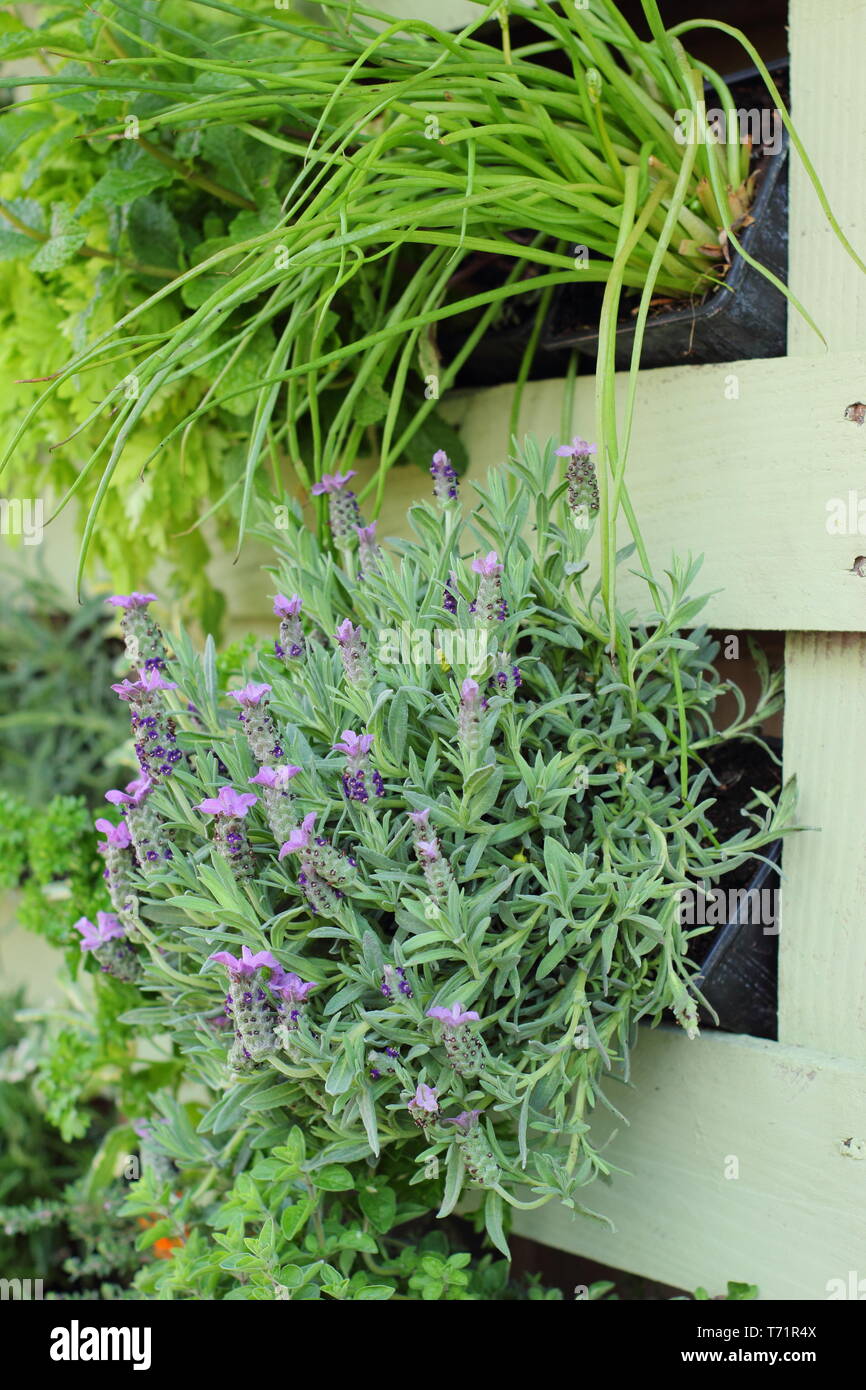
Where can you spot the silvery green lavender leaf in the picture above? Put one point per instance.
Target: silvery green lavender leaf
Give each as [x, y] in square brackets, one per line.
[475, 900]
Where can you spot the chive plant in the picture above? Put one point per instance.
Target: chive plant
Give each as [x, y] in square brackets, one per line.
[398, 151]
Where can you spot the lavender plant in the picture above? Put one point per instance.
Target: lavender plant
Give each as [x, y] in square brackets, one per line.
[430, 936]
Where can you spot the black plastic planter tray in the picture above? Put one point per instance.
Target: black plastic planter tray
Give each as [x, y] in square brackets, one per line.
[744, 318]
[739, 975]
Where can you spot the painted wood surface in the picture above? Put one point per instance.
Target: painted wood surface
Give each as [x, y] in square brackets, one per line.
[789, 1121]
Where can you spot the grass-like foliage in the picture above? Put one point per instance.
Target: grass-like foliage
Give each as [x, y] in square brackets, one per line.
[256, 223]
[412, 882]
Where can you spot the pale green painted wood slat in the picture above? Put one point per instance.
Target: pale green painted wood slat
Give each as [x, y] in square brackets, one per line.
[822, 998]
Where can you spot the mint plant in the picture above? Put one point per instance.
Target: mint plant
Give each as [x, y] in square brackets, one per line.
[413, 882]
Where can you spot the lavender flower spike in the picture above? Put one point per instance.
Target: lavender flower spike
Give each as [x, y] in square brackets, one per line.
[292, 644]
[248, 1006]
[230, 838]
[144, 641]
[278, 800]
[259, 727]
[291, 993]
[506, 678]
[119, 862]
[428, 852]
[154, 729]
[107, 941]
[469, 716]
[583, 498]
[444, 478]
[478, 1157]
[145, 825]
[368, 550]
[465, 1052]
[324, 870]
[424, 1105]
[450, 594]
[343, 513]
[356, 747]
[489, 606]
[356, 661]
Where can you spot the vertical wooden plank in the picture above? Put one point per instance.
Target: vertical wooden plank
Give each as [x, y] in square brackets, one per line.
[822, 942]
[822, 988]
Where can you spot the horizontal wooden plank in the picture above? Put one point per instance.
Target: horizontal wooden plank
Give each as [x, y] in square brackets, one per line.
[792, 1220]
[746, 482]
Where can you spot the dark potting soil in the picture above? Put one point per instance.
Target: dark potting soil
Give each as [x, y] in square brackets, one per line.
[740, 768]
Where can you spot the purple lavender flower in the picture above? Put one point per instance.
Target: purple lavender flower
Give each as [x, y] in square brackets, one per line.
[583, 498]
[248, 1005]
[444, 477]
[241, 967]
[107, 941]
[149, 680]
[343, 513]
[356, 748]
[357, 665]
[292, 643]
[450, 594]
[474, 1146]
[127, 689]
[134, 600]
[332, 482]
[577, 446]
[506, 678]
[119, 863]
[324, 870]
[227, 802]
[251, 695]
[291, 992]
[106, 929]
[487, 565]
[465, 1121]
[154, 729]
[259, 727]
[464, 1050]
[489, 606]
[469, 716]
[143, 639]
[424, 1105]
[291, 987]
[300, 838]
[454, 1016]
[116, 836]
[230, 838]
[135, 793]
[276, 777]
[146, 830]
[287, 607]
[278, 801]
[428, 852]
[368, 550]
[394, 979]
